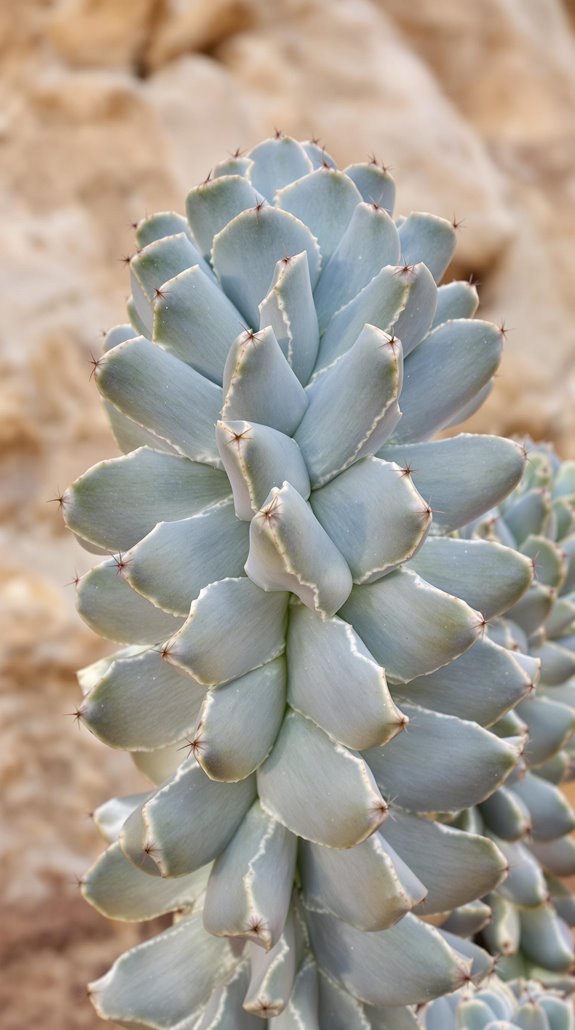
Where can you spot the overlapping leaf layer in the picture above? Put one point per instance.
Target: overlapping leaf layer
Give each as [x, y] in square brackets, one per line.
[305, 674]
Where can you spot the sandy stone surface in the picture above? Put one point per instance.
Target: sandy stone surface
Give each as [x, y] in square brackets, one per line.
[109, 110]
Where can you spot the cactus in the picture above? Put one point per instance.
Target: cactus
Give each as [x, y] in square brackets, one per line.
[519, 1005]
[274, 574]
[529, 818]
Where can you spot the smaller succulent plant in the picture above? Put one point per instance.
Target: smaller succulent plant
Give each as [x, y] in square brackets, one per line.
[518, 1005]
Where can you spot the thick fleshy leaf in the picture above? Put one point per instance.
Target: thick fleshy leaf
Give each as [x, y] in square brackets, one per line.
[158, 391]
[177, 559]
[548, 560]
[372, 370]
[404, 965]
[506, 815]
[185, 960]
[143, 703]
[415, 320]
[524, 883]
[119, 501]
[379, 303]
[129, 435]
[160, 764]
[461, 478]
[302, 1007]
[551, 814]
[374, 183]
[187, 822]
[111, 815]
[490, 577]
[195, 321]
[370, 242]
[251, 881]
[533, 608]
[325, 657]
[427, 238]
[276, 162]
[224, 1010]
[481, 962]
[469, 409]
[372, 512]
[158, 225]
[240, 721]
[557, 856]
[152, 266]
[456, 867]
[211, 205]
[455, 300]
[257, 458]
[325, 201]
[247, 249]
[233, 627]
[317, 788]
[368, 886]
[115, 611]
[468, 920]
[391, 1018]
[546, 939]
[445, 372]
[502, 936]
[289, 309]
[561, 618]
[339, 1009]
[557, 663]
[317, 154]
[480, 685]
[410, 627]
[290, 550]
[551, 725]
[526, 515]
[260, 386]
[464, 763]
[272, 973]
[120, 891]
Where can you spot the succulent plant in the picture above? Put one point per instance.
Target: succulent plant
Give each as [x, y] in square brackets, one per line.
[286, 606]
[530, 818]
[519, 1005]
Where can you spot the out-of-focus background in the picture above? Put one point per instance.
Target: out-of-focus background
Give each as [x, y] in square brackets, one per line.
[111, 108]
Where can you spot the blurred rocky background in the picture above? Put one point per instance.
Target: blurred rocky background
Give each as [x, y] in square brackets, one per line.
[111, 108]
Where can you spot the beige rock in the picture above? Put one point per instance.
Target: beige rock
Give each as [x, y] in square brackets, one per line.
[102, 32]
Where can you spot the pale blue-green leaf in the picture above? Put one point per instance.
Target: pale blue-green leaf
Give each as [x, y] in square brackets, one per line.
[129, 435]
[502, 935]
[325, 656]
[469, 409]
[211, 205]
[143, 703]
[257, 458]
[251, 882]
[302, 1007]
[407, 964]
[551, 814]
[232, 628]
[445, 372]
[224, 1010]
[506, 815]
[118, 334]
[368, 886]
[524, 883]
[118, 890]
[177, 559]
[557, 663]
[195, 321]
[152, 266]
[276, 162]
[415, 319]
[272, 973]
[188, 821]
[111, 815]
[379, 303]
[158, 392]
[160, 764]
[260, 386]
[526, 515]
[119, 501]
[557, 856]
[157, 226]
[289, 309]
[410, 627]
[467, 920]
[481, 962]
[324, 200]
[234, 165]
[551, 725]
[317, 788]
[548, 561]
[480, 685]
[246, 251]
[456, 300]
[490, 577]
[240, 721]
[338, 1009]
[562, 618]
[290, 550]
[391, 1018]
[335, 431]
[546, 939]
[373, 514]
[533, 608]
[462, 477]
[463, 763]
[111, 608]
[427, 238]
[187, 963]
[141, 323]
[317, 154]
[374, 183]
[370, 242]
